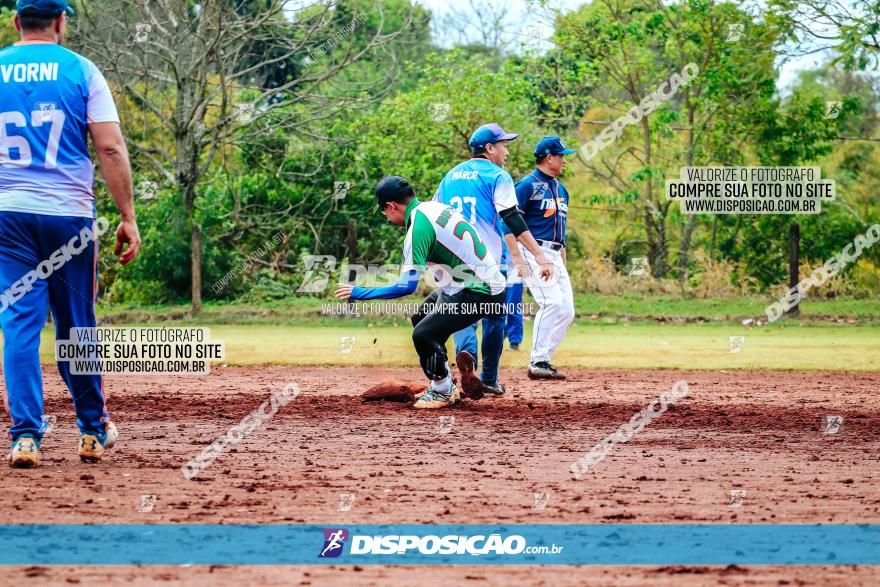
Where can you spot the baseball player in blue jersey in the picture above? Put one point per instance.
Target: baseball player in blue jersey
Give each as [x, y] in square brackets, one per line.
[51, 101]
[484, 193]
[543, 201]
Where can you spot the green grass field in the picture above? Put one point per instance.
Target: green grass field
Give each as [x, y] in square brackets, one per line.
[624, 331]
[637, 305]
[300, 310]
[624, 345]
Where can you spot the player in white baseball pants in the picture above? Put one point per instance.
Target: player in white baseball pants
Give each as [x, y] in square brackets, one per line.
[555, 312]
[543, 201]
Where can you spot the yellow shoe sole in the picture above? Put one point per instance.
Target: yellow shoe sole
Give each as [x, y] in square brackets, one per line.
[25, 454]
[25, 462]
[90, 449]
[455, 397]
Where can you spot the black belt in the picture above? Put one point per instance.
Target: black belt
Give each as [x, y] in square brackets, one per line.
[552, 245]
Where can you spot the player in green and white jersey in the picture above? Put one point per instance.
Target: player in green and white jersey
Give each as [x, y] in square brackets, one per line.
[471, 285]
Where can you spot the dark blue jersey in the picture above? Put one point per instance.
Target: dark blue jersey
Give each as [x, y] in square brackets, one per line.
[543, 200]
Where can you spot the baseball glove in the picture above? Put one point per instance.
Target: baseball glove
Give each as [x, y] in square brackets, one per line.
[393, 391]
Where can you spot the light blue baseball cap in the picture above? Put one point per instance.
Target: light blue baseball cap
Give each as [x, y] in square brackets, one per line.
[488, 134]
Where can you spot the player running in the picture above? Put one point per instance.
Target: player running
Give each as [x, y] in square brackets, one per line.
[544, 204]
[484, 193]
[471, 284]
[51, 100]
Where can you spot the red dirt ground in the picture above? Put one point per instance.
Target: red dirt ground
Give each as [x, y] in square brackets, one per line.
[758, 431]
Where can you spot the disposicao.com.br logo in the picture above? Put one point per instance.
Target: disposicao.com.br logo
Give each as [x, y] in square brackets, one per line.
[334, 541]
[453, 544]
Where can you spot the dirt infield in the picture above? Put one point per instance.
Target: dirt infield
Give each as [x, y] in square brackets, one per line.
[761, 432]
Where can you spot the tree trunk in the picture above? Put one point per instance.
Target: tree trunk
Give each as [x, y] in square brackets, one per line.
[692, 219]
[659, 266]
[352, 256]
[794, 241]
[196, 268]
[187, 174]
[714, 235]
[649, 233]
[654, 218]
[685, 247]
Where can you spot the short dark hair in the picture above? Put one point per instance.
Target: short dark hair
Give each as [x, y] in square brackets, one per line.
[540, 158]
[31, 20]
[478, 151]
[403, 198]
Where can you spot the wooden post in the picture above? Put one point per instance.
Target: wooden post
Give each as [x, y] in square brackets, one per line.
[794, 239]
[352, 254]
[196, 254]
[352, 241]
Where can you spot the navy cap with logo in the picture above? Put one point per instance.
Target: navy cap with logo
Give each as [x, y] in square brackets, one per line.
[488, 134]
[392, 188]
[552, 146]
[44, 7]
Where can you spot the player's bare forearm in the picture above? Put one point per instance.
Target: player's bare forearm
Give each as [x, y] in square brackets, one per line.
[512, 247]
[522, 266]
[117, 173]
[116, 169]
[115, 166]
[530, 244]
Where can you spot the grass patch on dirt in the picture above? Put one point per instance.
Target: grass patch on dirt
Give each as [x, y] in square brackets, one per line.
[620, 345]
[589, 307]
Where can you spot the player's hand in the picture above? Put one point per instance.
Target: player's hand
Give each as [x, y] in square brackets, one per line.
[127, 233]
[522, 267]
[344, 291]
[545, 266]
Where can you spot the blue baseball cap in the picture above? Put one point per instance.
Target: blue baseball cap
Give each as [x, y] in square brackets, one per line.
[45, 7]
[488, 134]
[552, 146]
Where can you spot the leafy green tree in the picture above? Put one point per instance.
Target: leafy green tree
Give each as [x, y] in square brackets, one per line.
[8, 34]
[851, 28]
[190, 67]
[633, 47]
[794, 132]
[729, 114]
[422, 133]
[419, 134]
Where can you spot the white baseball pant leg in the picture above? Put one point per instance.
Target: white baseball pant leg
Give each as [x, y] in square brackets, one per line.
[555, 305]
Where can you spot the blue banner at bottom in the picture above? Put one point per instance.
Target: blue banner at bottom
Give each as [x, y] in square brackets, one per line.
[522, 544]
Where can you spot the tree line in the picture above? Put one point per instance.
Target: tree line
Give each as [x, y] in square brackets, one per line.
[247, 118]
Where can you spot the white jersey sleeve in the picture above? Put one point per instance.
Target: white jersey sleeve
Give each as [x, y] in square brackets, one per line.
[101, 107]
[407, 253]
[504, 193]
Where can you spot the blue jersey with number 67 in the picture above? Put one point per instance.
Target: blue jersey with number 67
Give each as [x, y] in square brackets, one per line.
[48, 97]
[479, 189]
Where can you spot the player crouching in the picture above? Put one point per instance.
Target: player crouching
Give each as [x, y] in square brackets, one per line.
[439, 238]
